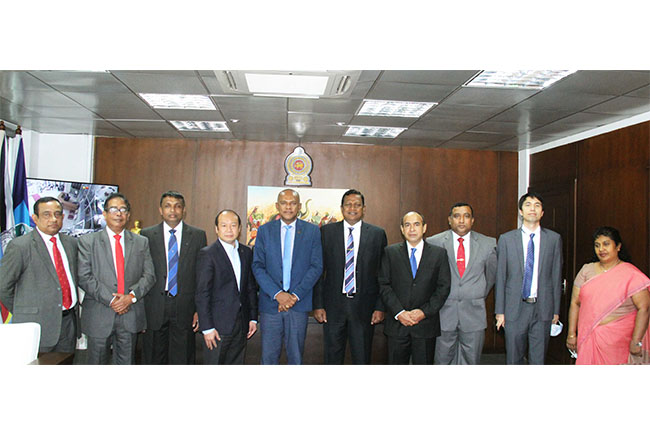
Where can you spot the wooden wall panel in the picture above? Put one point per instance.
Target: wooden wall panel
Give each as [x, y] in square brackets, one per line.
[613, 189]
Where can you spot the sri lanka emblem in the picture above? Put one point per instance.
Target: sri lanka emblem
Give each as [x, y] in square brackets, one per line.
[298, 166]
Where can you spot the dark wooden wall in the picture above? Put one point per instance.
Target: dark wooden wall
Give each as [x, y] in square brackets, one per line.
[215, 174]
[603, 180]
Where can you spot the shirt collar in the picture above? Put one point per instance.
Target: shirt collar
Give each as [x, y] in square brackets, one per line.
[537, 231]
[456, 237]
[111, 233]
[293, 224]
[418, 247]
[178, 228]
[356, 226]
[227, 246]
[47, 237]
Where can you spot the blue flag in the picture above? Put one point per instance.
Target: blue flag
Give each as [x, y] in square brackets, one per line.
[21, 210]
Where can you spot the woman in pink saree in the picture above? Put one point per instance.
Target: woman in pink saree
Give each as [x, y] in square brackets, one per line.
[610, 307]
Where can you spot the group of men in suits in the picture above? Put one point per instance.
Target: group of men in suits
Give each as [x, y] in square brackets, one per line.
[167, 284]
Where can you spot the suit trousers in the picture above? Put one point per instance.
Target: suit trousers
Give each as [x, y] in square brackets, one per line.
[527, 330]
[459, 348]
[288, 327]
[68, 337]
[420, 351]
[173, 343]
[348, 327]
[231, 350]
[123, 343]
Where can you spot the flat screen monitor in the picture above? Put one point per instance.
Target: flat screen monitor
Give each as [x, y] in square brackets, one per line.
[83, 203]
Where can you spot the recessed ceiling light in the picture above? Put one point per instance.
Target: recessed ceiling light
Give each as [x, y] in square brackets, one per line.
[200, 126]
[285, 84]
[373, 131]
[234, 120]
[178, 102]
[518, 79]
[375, 107]
[340, 123]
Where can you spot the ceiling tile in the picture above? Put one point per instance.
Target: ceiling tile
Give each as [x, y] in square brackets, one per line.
[14, 81]
[530, 118]
[398, 122]
[602, 82]
[513, 128]
[252, 103]
[446, 123]
[336, 106]
[483, 137]
[443, 78]
[423, 134]
[468, 111]
[489, 97]
[181, 82]
[207, 135]
[409, 92]
[551, 99]
[643, 92]
[249, 117]
[190, 114]
[73, 81]
[624, 105]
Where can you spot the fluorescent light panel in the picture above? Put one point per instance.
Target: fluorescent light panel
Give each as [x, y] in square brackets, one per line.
[375, 107]
[178, 102]
[200, 126]
[518, 79]
[373, 131]
[281, 84]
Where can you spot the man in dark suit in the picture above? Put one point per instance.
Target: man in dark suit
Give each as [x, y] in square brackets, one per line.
[529, 284]
[472, 263]
[414, 283]
[287, 263]
[37, 279]
[226, 294]
[346, 299]
[169, 305]
[115, 272]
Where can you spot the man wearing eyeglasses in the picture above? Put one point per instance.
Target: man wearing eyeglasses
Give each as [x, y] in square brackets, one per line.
[346, 299]
[115, 272]
[38, 274]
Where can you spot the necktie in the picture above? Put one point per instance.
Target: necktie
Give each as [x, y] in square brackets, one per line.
[119, 264]
[460, 257]
[528, 268]
[349, 265]
[414, 263]
[172, 264]
[286, 259]
[63, 277]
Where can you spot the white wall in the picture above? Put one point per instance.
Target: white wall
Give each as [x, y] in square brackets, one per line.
[59, 156]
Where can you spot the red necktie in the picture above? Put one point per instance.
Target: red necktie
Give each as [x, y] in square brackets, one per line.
[460, 258]
[119, 264]
[63, 277]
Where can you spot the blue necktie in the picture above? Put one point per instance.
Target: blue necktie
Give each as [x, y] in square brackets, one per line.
[414, 264]
[349, 265]
[528, 268]
[286, 260]
[172, 263]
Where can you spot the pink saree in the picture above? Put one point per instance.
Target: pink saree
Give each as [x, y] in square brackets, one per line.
[599, 297]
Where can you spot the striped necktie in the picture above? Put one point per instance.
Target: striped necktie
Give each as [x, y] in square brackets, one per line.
[528, 268]
[349, 266]
[172, 264]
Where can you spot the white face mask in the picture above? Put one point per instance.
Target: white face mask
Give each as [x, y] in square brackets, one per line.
[556, 329]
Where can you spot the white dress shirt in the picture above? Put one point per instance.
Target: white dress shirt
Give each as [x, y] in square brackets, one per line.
[64, 258]
[525, 238]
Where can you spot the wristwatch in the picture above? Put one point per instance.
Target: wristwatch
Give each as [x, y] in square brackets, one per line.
[133, 300]
[638, 343]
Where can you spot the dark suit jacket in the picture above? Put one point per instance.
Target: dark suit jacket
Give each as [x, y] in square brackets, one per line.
[427, 291]
[29, 286]
[328, 291]
[510, 274]
[192, 240]
[98, 280]
[218, 300]
[306, 264]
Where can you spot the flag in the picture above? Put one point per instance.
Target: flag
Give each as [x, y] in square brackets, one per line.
[6, 203]
[19, 195]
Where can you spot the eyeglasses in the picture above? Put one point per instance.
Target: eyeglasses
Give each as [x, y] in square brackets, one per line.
[113, 210]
